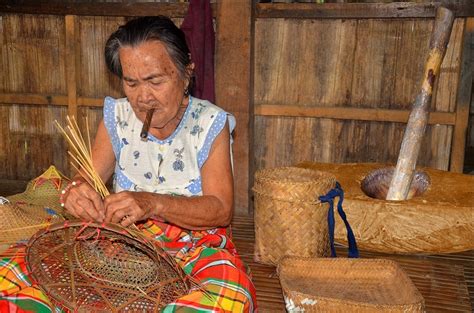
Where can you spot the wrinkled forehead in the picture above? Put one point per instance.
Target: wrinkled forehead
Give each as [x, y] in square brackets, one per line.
[147, 56]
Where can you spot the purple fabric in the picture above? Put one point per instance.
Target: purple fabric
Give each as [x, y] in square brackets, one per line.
[199, 31]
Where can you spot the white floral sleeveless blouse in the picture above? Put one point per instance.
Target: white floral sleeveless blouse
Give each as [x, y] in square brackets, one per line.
[169, 166]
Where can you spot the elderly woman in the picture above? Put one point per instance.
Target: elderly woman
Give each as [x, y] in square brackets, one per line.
[176, 183]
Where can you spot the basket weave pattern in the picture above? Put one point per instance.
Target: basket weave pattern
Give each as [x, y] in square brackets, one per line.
[103, 268]
[289, 220]
[21, 221]
[347, 285]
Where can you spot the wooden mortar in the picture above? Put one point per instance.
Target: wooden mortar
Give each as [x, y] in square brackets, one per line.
[440, 220]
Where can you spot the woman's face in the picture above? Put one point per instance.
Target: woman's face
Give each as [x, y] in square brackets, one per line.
[151, 80]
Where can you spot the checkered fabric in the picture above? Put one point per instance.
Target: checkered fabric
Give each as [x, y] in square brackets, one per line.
[209, 257]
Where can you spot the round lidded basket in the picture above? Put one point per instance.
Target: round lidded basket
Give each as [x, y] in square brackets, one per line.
[289, 218]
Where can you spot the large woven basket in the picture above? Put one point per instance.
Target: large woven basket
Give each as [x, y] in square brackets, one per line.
[289, 218]
[103, 268]
[347, 285]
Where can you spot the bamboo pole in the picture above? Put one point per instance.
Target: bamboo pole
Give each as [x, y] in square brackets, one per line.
[71, 64]
[406, 164]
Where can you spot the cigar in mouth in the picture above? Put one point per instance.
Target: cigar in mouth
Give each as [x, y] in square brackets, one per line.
[146, 125]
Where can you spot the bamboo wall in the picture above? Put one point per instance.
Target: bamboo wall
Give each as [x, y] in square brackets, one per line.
[53, 65]
[362, 74]
[333, 85]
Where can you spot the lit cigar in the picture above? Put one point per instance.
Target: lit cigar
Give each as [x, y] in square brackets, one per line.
[146, 125]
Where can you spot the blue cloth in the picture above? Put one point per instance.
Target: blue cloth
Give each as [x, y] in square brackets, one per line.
[329, 198]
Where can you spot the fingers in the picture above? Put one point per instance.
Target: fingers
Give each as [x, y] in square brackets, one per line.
[85, 203]
[117, 215]
[119, 212]
[126, 221]
[82, 214]
[123, 208]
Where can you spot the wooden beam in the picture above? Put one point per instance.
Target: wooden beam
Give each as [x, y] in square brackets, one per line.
[90, 102]
[233, 64]
[98, 9]
[34, 99]
[39, 99]
[344, 113]
[463, 99]
[71, 64]
[379, 115]
[358, 10]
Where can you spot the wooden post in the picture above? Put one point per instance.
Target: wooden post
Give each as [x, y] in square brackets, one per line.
[71, 70]
[406, 164]
[71, 64]
[233, 63]
[463, 99]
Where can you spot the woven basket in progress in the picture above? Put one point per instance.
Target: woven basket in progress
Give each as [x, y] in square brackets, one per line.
[103, 268]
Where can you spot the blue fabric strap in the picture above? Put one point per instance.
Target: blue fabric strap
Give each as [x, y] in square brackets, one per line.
[329, 197]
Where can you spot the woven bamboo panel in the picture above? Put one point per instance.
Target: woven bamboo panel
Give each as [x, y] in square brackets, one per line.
[32, 54]
[29, 141]
[95, 80]
[351, 64]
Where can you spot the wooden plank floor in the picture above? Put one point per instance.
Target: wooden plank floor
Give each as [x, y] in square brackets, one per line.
[445, 281]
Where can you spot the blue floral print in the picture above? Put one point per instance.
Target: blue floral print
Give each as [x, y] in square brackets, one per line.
[196, 130]
[178, 164]
[120, 123]
[198, 111]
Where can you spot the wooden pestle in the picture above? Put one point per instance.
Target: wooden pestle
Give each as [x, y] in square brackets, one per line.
[414, 132]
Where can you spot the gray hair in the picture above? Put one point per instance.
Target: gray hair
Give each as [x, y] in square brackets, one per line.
[148, 28]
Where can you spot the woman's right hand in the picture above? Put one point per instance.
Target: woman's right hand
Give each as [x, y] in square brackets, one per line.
[82, 201]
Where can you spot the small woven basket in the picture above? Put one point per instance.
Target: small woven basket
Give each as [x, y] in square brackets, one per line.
[347, 285]
[289, 218]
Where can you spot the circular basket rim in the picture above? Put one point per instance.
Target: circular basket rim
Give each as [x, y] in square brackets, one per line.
[128, 235]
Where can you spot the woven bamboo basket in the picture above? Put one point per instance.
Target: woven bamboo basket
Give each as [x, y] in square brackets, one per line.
[347, 285]
[289, 218]
[87, 267]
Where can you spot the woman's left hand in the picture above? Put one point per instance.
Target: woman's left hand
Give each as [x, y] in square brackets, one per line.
[128, 207]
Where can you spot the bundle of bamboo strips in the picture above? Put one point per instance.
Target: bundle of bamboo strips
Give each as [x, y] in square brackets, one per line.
[81, 154]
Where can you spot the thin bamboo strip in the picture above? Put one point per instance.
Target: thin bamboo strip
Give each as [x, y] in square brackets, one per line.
[82, 155]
